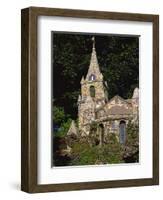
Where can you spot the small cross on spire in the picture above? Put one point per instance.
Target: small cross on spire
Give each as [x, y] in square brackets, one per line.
[93, 40]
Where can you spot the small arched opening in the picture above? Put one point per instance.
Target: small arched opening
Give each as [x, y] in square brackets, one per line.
[122, 132]
[92, 91]
[92, 77]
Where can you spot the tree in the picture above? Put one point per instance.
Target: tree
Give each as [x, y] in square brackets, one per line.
[61, 122]
[58, 115]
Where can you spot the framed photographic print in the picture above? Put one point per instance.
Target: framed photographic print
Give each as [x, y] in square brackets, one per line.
[90, 100]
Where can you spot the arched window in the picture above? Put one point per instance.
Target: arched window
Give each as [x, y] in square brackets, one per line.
[122, 132]
[92, 77]
[92, 91]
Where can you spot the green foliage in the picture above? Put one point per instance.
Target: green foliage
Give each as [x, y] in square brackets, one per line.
[62, 131]
[86, 150]
[132, 129]
[61, 120]
[112, 139]
[58, 115]
[111, 154]
[82, 154]
[85, 154]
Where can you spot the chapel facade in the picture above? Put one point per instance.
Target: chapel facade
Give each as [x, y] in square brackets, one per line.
[94, 107]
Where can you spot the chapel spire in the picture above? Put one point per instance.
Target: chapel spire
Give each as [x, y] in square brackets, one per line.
[93, 66]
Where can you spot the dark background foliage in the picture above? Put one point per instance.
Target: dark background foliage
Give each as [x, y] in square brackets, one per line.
[118, 58]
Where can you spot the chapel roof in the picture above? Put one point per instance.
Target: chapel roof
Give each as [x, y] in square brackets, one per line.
[118, 99]
[119, 110]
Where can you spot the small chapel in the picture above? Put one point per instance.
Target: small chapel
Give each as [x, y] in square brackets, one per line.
[94, 107]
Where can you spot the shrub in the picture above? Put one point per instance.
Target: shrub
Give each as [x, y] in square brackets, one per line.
[86, 151]
[62, 131]
[84, 154]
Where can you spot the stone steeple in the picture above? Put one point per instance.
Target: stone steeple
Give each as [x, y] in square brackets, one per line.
[92, 86]
[92, 92]
[94, 69]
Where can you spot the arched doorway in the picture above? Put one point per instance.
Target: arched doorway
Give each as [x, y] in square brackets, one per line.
[122, 132]
[101, 134]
